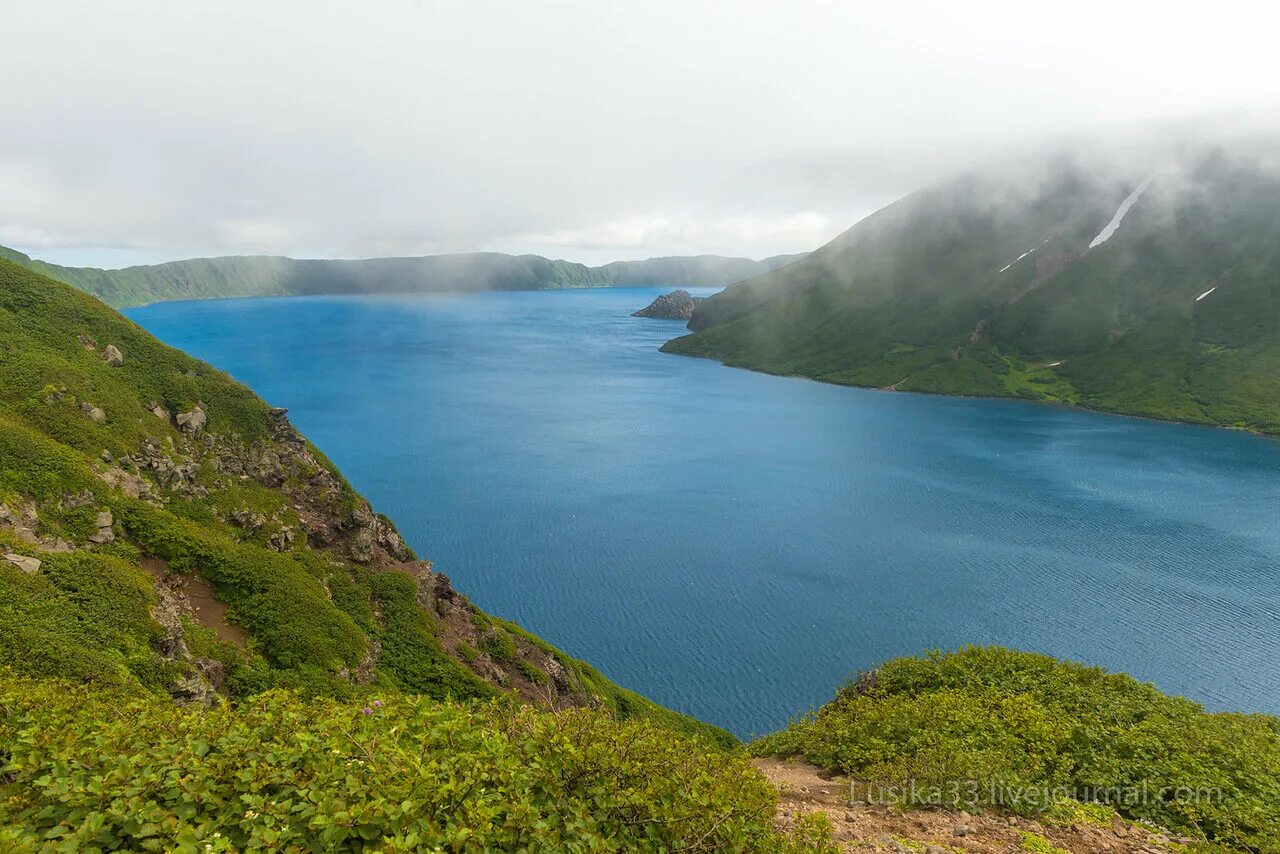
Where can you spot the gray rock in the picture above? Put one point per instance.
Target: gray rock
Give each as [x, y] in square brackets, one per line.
[29, 565]
[248, 520]
[104, 519]
[193, 688]
[112, 356]
[193, 422]
[677, 305]
[102, 536]
[72, 500]
[281, 540]
[960, 830]
[93, 413]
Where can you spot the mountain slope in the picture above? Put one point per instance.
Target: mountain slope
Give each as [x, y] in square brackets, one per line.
[1011, 285]
[692, 270]
[162, 529]
[243, 276]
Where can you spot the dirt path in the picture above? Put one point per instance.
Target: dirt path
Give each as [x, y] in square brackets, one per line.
[864, 827]
[197, 600]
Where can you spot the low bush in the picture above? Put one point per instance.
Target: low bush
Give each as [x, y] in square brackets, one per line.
[82, 770]
[1023, 731]
[412, 654]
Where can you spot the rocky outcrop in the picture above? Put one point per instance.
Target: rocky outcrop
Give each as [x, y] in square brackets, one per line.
[112, 356]
[103, 533]
[192, 423]
[29, 565]
[677, 305]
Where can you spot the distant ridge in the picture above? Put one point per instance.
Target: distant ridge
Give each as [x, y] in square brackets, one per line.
[271, 275]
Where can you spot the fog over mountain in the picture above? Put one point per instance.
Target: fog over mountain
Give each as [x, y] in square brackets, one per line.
[1138, 275]
[268, 275]
[569, 130]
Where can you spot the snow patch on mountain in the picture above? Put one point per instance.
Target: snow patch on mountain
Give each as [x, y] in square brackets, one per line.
[1129, 201]
[1019, 258]
[1025, 254]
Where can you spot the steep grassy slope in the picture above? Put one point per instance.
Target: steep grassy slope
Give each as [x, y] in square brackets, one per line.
[163, 529]
[989, 285]
[242, 276]
[1023, 732]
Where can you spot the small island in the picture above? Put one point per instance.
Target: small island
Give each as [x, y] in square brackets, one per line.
[677, 305]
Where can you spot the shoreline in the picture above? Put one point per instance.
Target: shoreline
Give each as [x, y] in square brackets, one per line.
[1056, 404]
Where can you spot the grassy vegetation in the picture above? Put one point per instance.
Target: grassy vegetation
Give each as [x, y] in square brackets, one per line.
[990, 726]
[84, 769]
[85, 619]
[915, 297]
[412, 655]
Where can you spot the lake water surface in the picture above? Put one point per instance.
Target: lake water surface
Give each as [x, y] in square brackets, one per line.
[735, 545]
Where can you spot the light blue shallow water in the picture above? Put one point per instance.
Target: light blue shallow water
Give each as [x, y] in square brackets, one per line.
[735, 545]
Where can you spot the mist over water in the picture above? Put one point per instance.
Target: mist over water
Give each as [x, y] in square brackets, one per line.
[735, 545]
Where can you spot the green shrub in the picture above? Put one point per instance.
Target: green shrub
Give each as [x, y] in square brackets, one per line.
[277, 597]
[1018, 730]
[80, 770]
[84, 616]
[412, 656]
[499, 645]
[1037, 844]
[531, 671]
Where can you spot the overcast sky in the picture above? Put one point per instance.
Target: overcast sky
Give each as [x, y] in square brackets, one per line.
[141, 130]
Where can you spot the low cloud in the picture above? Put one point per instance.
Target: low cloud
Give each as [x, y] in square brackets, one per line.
[767, 234]
[566, 128]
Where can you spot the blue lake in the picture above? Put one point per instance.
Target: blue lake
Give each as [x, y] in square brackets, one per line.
[735, 545]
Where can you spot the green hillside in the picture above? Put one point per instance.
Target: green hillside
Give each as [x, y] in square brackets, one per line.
[165, 530]
[988, 285]
[991, 727]
[246, 276]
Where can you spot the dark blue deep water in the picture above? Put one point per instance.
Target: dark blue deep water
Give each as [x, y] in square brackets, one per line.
[735, 545]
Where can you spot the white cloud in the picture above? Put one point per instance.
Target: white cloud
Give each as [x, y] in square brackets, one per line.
[691, 234]
[258, 235]
[669, 126]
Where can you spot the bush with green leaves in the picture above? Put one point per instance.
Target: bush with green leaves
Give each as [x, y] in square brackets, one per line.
[412, 655]
[85, 616]
[992, 726]
[86, 770]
